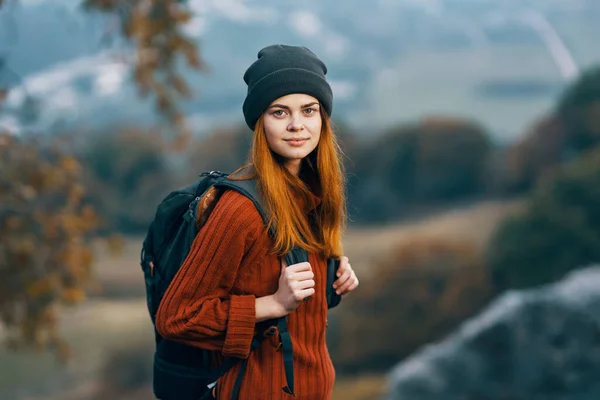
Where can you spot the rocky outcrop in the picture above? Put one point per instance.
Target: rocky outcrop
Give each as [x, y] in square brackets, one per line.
[541, 343]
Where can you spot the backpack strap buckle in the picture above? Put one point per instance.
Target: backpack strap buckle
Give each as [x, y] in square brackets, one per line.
[270, 331]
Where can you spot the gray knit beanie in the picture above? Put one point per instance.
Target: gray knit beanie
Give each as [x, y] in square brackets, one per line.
[281, 70]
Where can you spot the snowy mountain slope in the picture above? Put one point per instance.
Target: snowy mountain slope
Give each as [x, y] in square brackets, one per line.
[500, 61]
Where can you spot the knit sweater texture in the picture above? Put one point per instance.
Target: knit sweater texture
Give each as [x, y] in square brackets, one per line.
[211, 304]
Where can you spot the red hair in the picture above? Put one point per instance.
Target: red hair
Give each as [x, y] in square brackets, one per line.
[279, 189]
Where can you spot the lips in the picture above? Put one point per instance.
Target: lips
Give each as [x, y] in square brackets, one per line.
[296, 141]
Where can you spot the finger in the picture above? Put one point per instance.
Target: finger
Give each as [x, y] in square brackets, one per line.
[344, 265]
[343, 278]
[309, 283]
[338, 283]
[303, 294]
[344, 288]
[303, 266]
[352, 287]
[302, 276]
[344, 295]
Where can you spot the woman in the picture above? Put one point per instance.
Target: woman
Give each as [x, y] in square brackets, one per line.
[234, 277]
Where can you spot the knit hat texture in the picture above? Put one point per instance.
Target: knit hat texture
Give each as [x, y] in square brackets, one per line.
[281, 70]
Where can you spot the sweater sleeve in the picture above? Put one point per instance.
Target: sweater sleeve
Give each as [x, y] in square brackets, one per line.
[198, 308]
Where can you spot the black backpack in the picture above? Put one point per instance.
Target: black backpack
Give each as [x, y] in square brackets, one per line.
[185, 372]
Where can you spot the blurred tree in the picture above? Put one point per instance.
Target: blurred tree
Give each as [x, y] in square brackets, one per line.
[46, 225]
[154, 27]
[45, 233]
[224, 149]
[542, 148]
[451, 159]
[126, 176]
[417, 293]
[381, 184]
[561, 136]
[559, 232]
[348, 139]
[352, 146]
[436, 160]
[579, 109]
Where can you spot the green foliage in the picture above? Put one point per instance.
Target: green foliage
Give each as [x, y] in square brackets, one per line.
[127, 175]
[579, 108]
[543, 147]
[559, 232]
[431, 162]
[224, 149]
[561, 136]
[451, 159]
[419, 292]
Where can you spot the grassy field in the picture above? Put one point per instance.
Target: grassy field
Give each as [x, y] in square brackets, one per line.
[116, 318]
[94, 330]
[365, 246]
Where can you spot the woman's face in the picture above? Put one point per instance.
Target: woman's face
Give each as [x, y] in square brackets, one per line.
[293, 127]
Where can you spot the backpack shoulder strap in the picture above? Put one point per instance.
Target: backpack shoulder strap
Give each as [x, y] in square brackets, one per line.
[249, 188]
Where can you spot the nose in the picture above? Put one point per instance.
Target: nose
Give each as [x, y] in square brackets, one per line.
[295, 125]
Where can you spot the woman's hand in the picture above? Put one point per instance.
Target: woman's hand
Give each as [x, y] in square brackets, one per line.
[296, 283]
[347, 280]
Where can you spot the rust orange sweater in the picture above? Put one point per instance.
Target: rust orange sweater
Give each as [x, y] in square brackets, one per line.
[211, 304]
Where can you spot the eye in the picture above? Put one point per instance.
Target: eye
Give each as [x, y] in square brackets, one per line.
[309, 111]
[278, 113]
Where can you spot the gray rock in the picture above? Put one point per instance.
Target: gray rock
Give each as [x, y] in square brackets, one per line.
[541, 343]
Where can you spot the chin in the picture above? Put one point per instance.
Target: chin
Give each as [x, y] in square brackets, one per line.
[292, 154]
[297, 155]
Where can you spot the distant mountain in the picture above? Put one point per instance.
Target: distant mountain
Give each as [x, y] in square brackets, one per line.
[502, 62]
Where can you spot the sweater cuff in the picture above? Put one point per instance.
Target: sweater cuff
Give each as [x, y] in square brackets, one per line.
[240, 326]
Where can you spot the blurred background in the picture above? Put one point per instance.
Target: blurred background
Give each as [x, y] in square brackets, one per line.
[470, 130]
